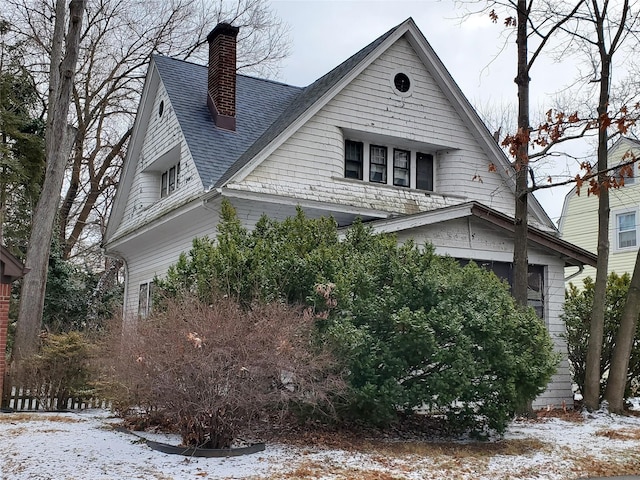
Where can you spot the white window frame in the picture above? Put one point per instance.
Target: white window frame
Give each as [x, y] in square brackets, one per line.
[145, 302]
[167, 187]
[616, 230]
[391, 148]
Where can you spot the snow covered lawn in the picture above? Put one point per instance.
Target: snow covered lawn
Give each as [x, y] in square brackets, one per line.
[84, 445]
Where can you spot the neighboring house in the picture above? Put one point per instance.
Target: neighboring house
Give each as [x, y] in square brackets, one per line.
[579, 220]
[386, 136]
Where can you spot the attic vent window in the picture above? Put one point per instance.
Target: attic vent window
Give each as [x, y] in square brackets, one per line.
[161, 108]
[401, 82]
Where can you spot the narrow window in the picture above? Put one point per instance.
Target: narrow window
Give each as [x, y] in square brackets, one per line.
[143, 300]
[424, 171]
[626, 230]
[163, 187]
[401, 159]
[172, 179]
[353, 159]
[378, 164]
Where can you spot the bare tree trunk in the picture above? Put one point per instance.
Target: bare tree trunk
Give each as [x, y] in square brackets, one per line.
[57, 148]
[591, 394]
[520, 255]
[617, 380]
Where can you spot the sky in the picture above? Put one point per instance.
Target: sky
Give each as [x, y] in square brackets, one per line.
[477, 52]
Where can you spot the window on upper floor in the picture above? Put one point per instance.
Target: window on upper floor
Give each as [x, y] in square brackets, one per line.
[353, 159]
[626, 228]
[170, 180]
[624, 172]
[406, 168]
[401, 167]
[378, 164]
[424, 171]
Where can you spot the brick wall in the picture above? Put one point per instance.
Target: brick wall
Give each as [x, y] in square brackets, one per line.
[222, 74]
[5, 294]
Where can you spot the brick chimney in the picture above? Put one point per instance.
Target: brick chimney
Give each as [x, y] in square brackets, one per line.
[221, 98]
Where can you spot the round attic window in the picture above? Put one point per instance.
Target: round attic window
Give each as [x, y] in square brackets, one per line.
[401, 82]
[161, 108]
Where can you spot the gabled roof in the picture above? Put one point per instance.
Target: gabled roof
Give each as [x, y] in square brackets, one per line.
[308, 97]
[570, 253]
[632, 142]
[214, 150]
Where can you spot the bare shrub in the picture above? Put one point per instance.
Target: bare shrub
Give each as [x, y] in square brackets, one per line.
[214, 369]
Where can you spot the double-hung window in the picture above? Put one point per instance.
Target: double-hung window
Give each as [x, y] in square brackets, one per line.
[401, 167]
[145, 298]
[378, 164]
[353, 159]
[170, 180]
[627, 232]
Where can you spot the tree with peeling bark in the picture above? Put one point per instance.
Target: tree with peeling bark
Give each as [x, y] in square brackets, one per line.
[57, 138]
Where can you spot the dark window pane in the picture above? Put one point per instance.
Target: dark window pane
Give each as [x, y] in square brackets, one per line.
[143, 298]
[163, 187]
[172, 179]
[353, 155]
[424, 171]
[378, 164]
[401, 162]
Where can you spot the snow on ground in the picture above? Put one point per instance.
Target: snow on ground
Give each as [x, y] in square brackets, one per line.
[84, 445]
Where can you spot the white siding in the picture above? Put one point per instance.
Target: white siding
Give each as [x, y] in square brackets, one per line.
[310, 164]
[160, 149]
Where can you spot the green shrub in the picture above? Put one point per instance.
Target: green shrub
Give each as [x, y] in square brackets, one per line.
[61, 370]
[577, 316]
[411, 329]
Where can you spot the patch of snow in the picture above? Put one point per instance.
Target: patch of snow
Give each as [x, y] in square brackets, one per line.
[84, 445]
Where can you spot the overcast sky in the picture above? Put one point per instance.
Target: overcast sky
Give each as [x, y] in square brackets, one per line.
[475, 51]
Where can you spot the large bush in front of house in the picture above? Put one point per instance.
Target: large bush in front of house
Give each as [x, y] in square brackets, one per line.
[212, 369]
[577, 316]
[411, 329]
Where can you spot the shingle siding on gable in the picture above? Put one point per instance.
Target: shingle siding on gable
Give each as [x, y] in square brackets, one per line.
[162, 135]
[307, 165]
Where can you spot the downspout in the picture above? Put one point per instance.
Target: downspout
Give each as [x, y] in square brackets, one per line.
[573, 275]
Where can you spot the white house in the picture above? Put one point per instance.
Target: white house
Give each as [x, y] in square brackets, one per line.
[386, 136]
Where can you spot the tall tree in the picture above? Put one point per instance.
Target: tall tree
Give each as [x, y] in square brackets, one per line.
[57, 137]
[608, 25]
[21, 144]
[536, 29]
[116, 44]
[623, 346]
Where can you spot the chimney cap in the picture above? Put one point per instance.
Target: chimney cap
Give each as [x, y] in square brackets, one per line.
[223, 29]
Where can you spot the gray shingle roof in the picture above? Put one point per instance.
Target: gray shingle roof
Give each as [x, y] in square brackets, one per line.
[302, 102]
[214, 150]
[264, 109]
